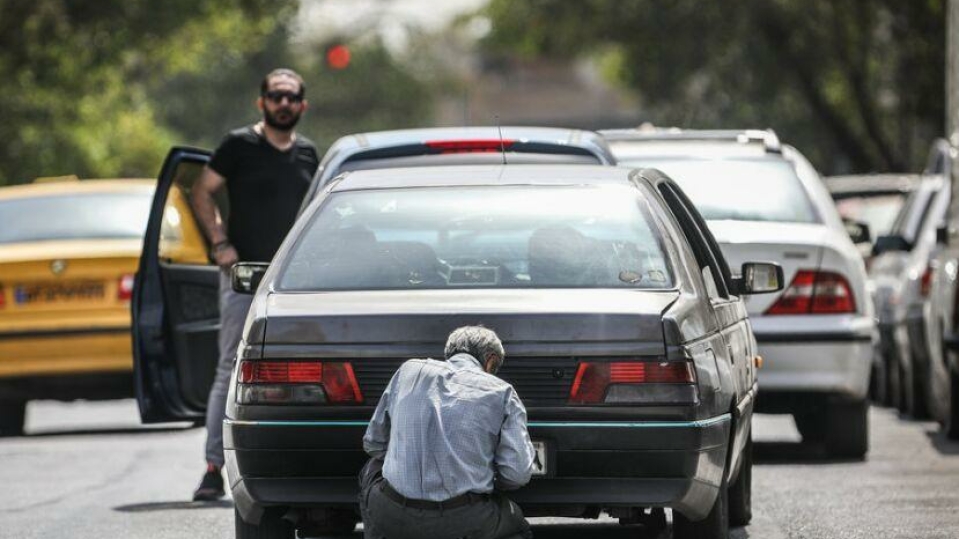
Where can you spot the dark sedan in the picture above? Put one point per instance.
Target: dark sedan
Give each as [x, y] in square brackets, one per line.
[625, 333]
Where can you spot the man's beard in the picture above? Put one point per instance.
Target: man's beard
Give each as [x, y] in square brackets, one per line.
[288, 122]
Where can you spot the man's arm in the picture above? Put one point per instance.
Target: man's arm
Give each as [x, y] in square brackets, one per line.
[377, 437]
[204, 207]
[515, 453]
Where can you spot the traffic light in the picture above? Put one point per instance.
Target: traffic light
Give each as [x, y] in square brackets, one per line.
[337, 56]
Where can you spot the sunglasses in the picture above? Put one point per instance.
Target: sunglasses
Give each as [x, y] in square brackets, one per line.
[278, 96]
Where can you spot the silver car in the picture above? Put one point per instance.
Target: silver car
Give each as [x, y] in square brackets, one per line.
[626, 336]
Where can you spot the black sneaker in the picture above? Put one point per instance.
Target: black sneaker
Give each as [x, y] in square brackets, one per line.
[211, 487]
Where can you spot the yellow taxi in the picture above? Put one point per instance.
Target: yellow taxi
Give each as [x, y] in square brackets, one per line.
[69, 250]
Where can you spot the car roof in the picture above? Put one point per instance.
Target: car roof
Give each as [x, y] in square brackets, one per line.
[719, 141]
[379, 139]
[479, 175]
[116, 185]
[864, 185]
[645, 133]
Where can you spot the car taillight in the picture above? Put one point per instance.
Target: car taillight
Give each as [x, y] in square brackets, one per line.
[925, 282]
[634, 382]
[815, 292]
[125, 287]
[3, 298]
[469, 146]
[297, 382]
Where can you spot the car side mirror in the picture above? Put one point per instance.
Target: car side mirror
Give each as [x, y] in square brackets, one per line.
[858, 231]
[890, 242]
[760, 278]
[246, 276]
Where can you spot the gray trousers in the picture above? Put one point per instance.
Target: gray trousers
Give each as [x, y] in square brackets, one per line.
[233, 310]
[384, 518]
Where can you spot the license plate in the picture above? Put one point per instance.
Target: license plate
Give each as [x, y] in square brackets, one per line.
[49, 293]
[539, 462]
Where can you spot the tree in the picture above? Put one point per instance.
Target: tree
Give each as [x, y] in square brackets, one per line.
[858, 85]
[77, 77]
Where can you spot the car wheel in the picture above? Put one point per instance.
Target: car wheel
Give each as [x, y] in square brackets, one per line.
[339, 522]
[892, 383]
[271, 526]
[904, 396]
[741, 491]
[847, 429]
[714, 526]
[951, 426]
[12, 416]
[918, 407]
[811, 426]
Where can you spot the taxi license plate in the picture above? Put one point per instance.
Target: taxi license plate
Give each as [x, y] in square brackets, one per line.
[539, 462]
[52, 293]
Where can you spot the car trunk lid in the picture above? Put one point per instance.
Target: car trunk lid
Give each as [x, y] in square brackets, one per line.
[794, 246]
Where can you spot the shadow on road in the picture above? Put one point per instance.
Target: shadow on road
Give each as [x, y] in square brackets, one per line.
[173, 506]
[942, 444]
[794, 453]
[86, 431]
[610, 530]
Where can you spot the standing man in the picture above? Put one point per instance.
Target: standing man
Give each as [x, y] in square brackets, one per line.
[266, 169]
[446, 438]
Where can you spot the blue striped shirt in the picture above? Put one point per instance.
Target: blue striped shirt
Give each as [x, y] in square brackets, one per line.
[444, 428]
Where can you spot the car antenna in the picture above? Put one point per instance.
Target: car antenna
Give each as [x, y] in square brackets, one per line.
[502, 145]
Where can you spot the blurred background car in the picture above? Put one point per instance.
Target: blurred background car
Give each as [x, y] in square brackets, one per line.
[900, 276]
[941, 313]
[765, 201]
[68, 254]
[870, 199]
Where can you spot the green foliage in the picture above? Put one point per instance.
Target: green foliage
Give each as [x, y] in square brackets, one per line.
[103, 88]
[857, 84]
[77, 77]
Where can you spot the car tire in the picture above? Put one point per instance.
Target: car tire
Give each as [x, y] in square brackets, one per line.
[904, 395]
[12, 417]
[271, 526]
[714, 526]
[811, 426]
[847, 429]
[951, 426]
[741, 490]
[918, 407]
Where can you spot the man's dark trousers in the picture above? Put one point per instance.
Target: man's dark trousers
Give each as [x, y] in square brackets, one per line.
[384, 518]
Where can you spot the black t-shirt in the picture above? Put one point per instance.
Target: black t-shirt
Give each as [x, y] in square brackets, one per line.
[265, 187]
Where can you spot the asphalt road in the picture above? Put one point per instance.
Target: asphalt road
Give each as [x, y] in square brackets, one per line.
[89, 470]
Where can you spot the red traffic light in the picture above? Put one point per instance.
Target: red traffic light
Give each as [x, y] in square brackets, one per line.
[337, 56]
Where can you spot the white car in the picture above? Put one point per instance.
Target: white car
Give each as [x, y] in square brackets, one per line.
[765, 201]
[900, 277]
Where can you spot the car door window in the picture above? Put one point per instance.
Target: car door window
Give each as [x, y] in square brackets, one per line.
[713, 266]
[181, 240]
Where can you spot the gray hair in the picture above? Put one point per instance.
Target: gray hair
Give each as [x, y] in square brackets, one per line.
[476, 341]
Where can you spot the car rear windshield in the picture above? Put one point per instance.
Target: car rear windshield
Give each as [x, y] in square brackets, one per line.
[740, 189]
[488, 237]
[74, 216]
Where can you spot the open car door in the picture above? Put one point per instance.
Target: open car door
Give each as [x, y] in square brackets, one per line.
[175, 300]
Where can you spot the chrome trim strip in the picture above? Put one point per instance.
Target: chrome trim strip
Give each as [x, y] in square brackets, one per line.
[537, 424]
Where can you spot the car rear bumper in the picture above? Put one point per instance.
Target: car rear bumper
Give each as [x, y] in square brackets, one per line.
[826, 363]
[676, 464]
[58, 352]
